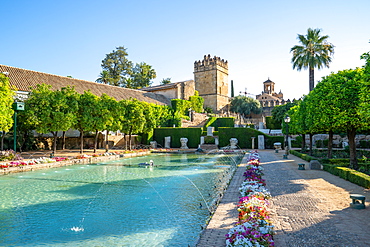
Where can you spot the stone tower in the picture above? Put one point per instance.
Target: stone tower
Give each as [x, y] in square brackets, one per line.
[211, 81]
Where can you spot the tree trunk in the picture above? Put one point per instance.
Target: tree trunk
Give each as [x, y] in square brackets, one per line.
[55, 135]
[310, 143]
[312, 79]
[106, 142]
[351, 134]
[95, 140]
[129, 138]
[2, 140]
[330, 145]
[64, 140]
[81, 141]
[303, 147]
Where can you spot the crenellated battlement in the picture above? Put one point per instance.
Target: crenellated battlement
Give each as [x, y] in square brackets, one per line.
[209, 63]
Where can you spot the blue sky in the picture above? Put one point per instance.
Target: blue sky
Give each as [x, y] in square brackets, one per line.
[71, 37]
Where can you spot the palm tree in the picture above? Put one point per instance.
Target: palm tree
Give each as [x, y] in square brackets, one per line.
[314, 51]
[104, 77]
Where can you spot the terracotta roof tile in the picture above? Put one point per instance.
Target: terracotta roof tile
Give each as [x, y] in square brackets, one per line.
[25, 80]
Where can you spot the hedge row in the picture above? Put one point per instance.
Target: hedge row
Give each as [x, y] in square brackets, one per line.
[219, 122]
[337, 167]
[349, 174]
[193, 135]
[244, 136]
[305, 157]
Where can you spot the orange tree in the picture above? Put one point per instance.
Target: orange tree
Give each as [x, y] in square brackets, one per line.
[342, 105]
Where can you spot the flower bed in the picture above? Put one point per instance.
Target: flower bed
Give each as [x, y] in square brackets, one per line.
[254, 227]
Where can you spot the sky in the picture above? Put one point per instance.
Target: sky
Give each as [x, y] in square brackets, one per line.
[72, 37]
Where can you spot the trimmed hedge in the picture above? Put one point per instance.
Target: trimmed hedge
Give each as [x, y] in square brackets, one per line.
[305, 157]
[349, 174]
[193, 135]
[219, 122]
[244, 136]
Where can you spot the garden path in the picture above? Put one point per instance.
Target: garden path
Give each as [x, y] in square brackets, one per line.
[310, 208]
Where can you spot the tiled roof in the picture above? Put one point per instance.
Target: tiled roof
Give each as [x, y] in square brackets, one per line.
[25, 80]
[163, 87]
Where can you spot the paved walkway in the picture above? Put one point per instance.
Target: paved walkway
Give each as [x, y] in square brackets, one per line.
[309, 207]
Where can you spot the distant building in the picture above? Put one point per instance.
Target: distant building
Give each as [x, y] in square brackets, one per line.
[176, 90]
[269, 98]
[210, 80]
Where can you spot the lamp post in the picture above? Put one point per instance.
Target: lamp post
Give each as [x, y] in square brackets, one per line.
[286, 120]
[17, 106]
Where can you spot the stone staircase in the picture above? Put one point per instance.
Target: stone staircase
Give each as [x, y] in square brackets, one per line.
[199, 119]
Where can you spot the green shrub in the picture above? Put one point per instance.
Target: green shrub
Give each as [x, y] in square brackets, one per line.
[193, 135]
[209, 140]
[181, 106]
[244, 136]
[364, 144]
[337, 162]
[359, 178]
[351, 175]
[219, 122]
[271, 123]
[319, 143]
[305, 157]
[325, 143]
[297, 143]
[196, 102]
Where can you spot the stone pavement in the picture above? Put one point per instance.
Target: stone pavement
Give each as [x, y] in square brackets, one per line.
[309, 207]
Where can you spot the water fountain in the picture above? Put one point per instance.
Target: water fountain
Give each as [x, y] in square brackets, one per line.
[113, 203]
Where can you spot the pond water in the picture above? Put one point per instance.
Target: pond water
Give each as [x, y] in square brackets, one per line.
[116, 203]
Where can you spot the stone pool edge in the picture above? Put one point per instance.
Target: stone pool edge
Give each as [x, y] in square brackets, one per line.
[89, 160]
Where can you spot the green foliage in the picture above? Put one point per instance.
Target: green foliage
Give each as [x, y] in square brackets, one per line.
[244, 136]
[119, 71]
[208, 110]
[196, 103]
[209, 140]
[280, 111]
[364, 144]
[302, 156]
[219, 122]
[118, 67]
[181, 106]
[245, 106]
[193, 135]
[297, 142]
[141, 75]
[165, 81]
[51, 111]
[272, 123]
[351, 175]
[6, 101]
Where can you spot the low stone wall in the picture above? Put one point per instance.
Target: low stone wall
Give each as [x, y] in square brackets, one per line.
[90, 160]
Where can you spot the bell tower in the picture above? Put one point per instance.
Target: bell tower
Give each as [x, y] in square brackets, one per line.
[269, 86]
[211, 81]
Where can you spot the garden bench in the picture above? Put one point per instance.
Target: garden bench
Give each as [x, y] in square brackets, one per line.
[358, 201]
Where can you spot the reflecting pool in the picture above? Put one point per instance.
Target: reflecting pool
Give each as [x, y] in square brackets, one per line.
[117, 203]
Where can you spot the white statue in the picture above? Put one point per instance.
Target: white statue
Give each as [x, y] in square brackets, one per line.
[184, 142]
[233, 143]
